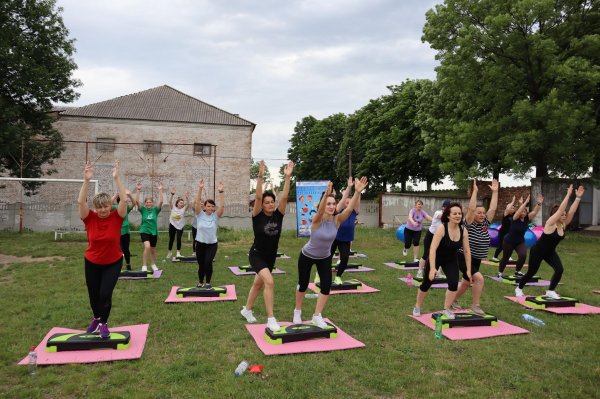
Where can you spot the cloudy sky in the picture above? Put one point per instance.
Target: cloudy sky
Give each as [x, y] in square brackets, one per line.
[272, 62]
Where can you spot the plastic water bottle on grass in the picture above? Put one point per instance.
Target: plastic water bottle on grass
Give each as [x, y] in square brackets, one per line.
[409, 280]
[309, 295]
[533, 320]
[32, 361]
[241, 368]
[438, 327]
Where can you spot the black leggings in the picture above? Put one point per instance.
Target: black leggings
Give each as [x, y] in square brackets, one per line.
[507, 249]
[535, 260]
[427, 244]
[205, 255]
[101, 281]
[194, 231]
[411, 237]
[450, 269]
[344, 247]
[172, 231]
[125, 238]
[323, 268]
[501, 234]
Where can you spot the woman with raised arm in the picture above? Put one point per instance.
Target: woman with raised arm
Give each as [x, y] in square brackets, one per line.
[177, 221]
[317, 250]
[103, 257]
[448, 238]
[345, 234]
[207, 215]
[545, 247]
[125, 229]
[504, 227]
[412, 229]
[149, 226]
[267, 222]
[515, 239]
[477, 223]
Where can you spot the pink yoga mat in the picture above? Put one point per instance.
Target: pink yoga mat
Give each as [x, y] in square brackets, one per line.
[365, 290]
[156, 274]
[461, 333]
[399, 267]
[138, 333]
[581, 309]
[487, 262]
[417, 284]
[340, 342]
[539, 283]
[235, 270]
[356, 270]
[231, 296]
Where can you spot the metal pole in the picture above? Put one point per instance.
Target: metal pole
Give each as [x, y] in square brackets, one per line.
[22, 189]
[350, 162]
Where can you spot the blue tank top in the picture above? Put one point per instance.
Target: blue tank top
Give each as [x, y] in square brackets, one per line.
[516, 234]
[346, 230]
[319, 244]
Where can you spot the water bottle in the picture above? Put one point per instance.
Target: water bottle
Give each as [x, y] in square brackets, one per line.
[311, 295]
[241, 368]
[533, 320]
[409, 280]
[438, 327]
[32, 361]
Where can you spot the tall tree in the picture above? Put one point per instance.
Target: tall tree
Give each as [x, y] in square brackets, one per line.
[520, 84]
[36, 66]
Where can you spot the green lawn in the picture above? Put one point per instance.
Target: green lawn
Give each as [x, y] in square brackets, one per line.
[193, 348]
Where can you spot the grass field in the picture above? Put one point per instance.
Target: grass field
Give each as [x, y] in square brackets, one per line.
[193, 348]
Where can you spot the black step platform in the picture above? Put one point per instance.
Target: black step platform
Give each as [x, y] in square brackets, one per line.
[80, 342]
[245, 268]
[407, 264]
[436, 280]
[346, 285]
[352, 253]
[136, 273]
[186, 259]
[349, 266]
[466, 320]
[517, 279]
[279, 254]
[299, 332]
[201, 291]
[543, 302]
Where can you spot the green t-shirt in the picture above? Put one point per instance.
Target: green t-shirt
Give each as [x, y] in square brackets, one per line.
[149, 220]
[125, 228]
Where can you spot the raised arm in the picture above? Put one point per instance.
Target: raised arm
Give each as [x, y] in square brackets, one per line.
[493, 202]
[138, 188]
[554, 218]
[316, 221]
[258, 196]
[88, 173]
[509, 206]
[172, 194]
[359, 186]
[113, 200]
[472, 203]
[345, 194]
[575, 204]
[221, 208]
[187, 200]
[283, 200]
[198, 197]
[122, 207]
[160, 196]
[517, 214]
[538, 206]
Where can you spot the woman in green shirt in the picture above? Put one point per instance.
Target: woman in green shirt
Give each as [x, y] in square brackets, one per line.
[149, 227]
[125, 230]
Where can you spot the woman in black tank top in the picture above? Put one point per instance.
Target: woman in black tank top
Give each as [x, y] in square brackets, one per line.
[545, 247]
[448, 238]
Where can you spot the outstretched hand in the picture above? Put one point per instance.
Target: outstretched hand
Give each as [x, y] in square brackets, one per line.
[329, 188]
[88, 171]
[540, 199]
[287, 171]
[201, 185]
[475, 188]
[360, 185]
[160, 186]
[261, 169]
[138, 186]
[494, 186]
[115, 171]
[350, 181]
[580, 191]
[173, 191]
[220, 187]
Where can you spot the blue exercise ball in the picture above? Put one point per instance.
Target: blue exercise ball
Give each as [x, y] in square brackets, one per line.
[530, 238]
[494, 239]
[495, 226]
[400, 233]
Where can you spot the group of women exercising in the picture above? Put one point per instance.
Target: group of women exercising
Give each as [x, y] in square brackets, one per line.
[456, 244]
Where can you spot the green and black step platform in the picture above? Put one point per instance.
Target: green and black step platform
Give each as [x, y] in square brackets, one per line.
[465, 320]
[407, 263]
[185, 259]
[245, 268]
[516, 279]
[136, 273]
[85, 341]
[279, 254]
[299, 332]
[349, 266]
[346, 285]
[543, 302]
[436, 280]
[202, 292]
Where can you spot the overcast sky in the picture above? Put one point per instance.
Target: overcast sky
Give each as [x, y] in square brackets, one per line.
[272, 62]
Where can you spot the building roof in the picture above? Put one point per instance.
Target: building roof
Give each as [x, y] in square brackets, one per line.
[162, 103]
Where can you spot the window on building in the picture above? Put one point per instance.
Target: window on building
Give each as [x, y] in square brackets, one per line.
[152, 147]
[105, 144]
[202, 150]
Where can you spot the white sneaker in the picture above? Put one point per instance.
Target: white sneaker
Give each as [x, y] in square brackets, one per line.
[272, 324]
[144, 268]
[552, 294]
[420, 273]
[338, 262]
[178, 255]
[511, 259]
[297, 316]
[248, 315]
[499, 275]
[318, 320]
[416, 312]
[174, 259]
[338, 281]
[404, 252]
[441, 274]
[519, 292]
[494, 259]
[170, 254]
[154, 268]
[449, 315]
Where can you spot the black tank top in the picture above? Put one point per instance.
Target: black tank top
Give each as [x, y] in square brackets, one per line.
[516, 234]
[447, 248]
[548, 242]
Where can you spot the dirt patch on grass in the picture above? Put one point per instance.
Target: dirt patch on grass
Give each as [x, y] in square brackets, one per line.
[9, 259]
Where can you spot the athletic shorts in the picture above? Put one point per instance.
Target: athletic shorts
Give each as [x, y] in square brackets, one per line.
[259, 261]
[149, 237]
[462, 266]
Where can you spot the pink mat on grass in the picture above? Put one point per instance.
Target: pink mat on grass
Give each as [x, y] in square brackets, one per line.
[231, 296]
[236, 270]
[399, 267]
[539, 283]
[365, 290]
[156, 274]
[340, 342]
[461, 333]
[513, 265]
[416, 284]
[138, 332]
[581, 309]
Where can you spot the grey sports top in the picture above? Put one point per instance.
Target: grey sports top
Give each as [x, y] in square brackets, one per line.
[319, 244]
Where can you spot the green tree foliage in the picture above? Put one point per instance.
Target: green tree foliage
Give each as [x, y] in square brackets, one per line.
[518, 86]
[36, 66]
[254, 168]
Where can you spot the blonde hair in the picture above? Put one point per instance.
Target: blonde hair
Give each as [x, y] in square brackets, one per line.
[101, 200]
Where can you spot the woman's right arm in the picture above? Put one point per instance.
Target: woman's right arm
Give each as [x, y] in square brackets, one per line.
[198, 197]
[259, 190]
[316, 221]
[517, 214]
[88, 173]
[509, 207]
[138, 188]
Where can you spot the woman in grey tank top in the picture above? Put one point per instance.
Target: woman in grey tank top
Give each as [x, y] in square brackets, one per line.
[318, 250]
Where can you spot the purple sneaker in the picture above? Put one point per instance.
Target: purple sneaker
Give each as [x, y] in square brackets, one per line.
[104, 333]
[93, 327]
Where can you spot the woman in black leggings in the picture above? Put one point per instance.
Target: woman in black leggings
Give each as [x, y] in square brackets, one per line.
[545, 248]
[448, 238]
[504, 227]
[515, 239]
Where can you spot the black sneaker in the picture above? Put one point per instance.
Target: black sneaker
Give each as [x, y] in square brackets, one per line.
[208, 286]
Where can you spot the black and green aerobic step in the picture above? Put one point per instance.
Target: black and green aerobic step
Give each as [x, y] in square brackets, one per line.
[517, 279]
[349, 266]
[201, 292]
[407, 263]
[543, 302]
[245, 268]
[465, 320]
[83, 341]
[136, 273]
[299, 332]
[436, 280]
[346, 285]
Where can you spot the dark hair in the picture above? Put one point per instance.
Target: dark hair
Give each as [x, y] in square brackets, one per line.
[446, 213]
[210, 201]
[269, 193]
[554, 209]
[179, 199]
